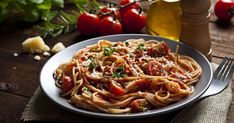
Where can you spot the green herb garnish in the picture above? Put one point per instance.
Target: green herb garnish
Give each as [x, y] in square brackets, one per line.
[109, 51]
[126, 43]
[92, 64]
[141, 47]
[119, 72]
[87, 91]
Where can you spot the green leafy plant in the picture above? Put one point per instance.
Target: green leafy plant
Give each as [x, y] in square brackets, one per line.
[66, 23]
[31, 10]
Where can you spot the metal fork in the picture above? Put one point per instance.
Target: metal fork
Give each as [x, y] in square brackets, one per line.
[221, 77]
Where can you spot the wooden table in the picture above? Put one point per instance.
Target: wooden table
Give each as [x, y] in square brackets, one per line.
[22, 71]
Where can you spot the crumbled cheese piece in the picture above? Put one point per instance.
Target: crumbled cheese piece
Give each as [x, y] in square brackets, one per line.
[37, 57]
[16, 54]
[35, 45]
[58, 47]
[14, 68]
[46, 53]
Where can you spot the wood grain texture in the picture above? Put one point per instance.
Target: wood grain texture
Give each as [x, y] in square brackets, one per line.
[22, 72]
[11, 107]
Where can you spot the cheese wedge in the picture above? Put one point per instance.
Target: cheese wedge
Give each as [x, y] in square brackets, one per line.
[35, 45]
[58, 47]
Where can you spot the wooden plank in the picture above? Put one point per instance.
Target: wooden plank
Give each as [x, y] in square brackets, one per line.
[222, 40]
[22, 72]
[11, 107]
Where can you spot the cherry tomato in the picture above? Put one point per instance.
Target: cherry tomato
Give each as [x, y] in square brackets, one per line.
[139, 105]
[116, 89]
[224, 10]
[125, 9]
[109, 26]
[88, 24]
[133, 21]
[67, 83]
[113, 10]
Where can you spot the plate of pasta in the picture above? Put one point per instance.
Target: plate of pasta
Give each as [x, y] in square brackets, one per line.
[126, 76]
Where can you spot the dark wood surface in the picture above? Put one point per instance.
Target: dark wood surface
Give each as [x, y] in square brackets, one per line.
[22, 72]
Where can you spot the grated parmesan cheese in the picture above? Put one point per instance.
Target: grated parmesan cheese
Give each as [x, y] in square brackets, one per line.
[46, 53]
[16, 54]
[37, 57]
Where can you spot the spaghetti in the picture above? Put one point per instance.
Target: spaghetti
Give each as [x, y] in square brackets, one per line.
[126, 77]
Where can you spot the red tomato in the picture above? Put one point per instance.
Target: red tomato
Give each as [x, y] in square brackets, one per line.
[116, 89]
[133, 21]
[114, 13]
[125, 9]
[224, 10]
[109, 26]
[139, 105]
[67, 83]
[88, 24]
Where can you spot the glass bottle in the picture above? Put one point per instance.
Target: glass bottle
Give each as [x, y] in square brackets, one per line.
[163, 18]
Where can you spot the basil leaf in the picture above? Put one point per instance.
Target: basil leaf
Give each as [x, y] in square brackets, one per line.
[36, 1]
[80, 2]
[3, 14]
[45, 5]
[32, 14]
[48, 15]
[23, 2]
[58, 3]
[4, 10]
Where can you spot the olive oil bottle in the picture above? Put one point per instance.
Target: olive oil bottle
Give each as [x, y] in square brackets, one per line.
[163, 19]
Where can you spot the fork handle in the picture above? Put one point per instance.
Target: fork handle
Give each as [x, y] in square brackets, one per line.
[208, 92]
[213, 90]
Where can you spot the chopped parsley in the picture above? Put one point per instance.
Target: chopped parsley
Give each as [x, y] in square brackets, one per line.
[87, 91]
[119, 72]
[92, 64]
[126, 43]
[141, 47]
[109, 51]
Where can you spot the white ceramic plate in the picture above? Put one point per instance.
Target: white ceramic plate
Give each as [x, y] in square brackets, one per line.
[48, 84]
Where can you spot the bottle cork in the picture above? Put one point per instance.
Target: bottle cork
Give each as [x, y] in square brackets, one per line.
[195, 25]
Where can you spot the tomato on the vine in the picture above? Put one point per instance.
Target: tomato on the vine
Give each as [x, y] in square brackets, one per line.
[224, 10]
[135, 5]
[108, 26]
[88, 24]
[134, 21]
[114, 13]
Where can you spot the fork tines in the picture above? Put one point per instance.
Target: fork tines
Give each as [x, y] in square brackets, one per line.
[225, 69]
